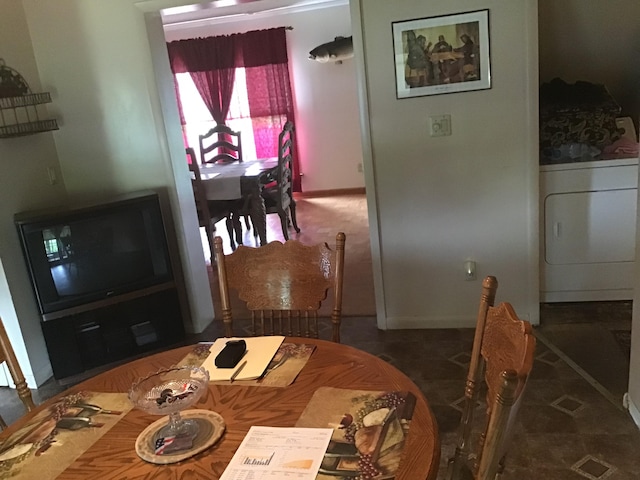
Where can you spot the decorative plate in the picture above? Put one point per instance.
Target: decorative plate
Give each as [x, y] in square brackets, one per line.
[211, 427]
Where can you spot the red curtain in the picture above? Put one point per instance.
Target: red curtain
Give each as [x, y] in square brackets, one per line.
[212, 62]
[264, 54]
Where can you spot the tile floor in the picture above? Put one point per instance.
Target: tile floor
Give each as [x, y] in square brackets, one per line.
[572, 424]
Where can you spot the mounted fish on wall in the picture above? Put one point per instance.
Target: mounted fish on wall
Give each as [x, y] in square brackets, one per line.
[336, 51]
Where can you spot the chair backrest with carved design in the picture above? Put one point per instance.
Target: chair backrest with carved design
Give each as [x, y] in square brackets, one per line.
[220, 145]
[8, 355]
[501, 359]
[283, 285]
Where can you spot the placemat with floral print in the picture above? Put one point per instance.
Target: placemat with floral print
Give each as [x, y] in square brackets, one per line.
[369, 430]
[287, 363]
[57, 436]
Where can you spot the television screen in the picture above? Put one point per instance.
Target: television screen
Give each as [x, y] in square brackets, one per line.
[82, 255]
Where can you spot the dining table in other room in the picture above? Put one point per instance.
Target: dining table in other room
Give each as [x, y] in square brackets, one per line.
[244, 179]
[334, 378]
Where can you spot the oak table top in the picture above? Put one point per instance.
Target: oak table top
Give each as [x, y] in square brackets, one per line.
[113, 456]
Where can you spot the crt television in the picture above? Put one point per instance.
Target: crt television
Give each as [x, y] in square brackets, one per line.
[76, 256]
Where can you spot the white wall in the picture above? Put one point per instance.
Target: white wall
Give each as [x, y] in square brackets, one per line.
[325, 95]
[23, 186]
[442, 200]
[634, 361]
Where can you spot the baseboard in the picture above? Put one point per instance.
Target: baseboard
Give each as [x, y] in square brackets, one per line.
[400, 323]
[34, 380]
[586, 296]
[39, 377]
[331, 193]
[633, 410]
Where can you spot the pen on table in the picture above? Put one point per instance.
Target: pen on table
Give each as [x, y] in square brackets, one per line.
[238, 370]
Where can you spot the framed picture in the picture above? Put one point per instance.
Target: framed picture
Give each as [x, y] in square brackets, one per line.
[444, 54]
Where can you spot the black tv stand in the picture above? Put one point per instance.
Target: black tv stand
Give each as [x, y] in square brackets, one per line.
[88, 337]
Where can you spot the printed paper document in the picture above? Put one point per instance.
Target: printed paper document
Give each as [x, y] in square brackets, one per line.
[274, 453]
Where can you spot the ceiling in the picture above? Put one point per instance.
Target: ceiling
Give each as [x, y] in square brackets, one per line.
[228, 10]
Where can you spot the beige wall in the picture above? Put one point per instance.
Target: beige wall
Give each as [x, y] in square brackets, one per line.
[442, 200]
[325, 95]
[24, 185]
[437, 201]
[118, 130]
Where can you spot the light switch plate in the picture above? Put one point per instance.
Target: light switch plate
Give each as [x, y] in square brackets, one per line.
[439, 125]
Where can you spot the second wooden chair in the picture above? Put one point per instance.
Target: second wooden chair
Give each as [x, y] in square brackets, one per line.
[210, 212]
[220, 145]
[8, 355]
[283, 285]
[501, 360]
[277, 193]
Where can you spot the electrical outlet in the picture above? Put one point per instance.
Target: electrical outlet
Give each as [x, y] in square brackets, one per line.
[439, 125]
[360, 168]
[469, 270]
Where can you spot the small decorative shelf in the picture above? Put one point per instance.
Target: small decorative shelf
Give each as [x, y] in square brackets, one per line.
[20, 109]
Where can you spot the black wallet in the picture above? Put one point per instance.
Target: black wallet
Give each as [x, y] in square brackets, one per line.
[231, 354]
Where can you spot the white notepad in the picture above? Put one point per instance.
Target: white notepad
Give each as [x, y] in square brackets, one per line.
[260, 351]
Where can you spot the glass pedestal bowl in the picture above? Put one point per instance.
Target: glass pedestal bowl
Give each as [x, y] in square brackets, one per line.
[168, 392]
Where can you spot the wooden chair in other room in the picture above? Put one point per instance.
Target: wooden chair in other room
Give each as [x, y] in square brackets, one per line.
[7, 355]
[278, 197]
[501, 361]
[283, 285]
[210, 212]
[277, 192]
[220, 145]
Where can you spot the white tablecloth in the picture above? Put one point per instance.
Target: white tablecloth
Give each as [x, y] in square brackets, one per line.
[223, 181]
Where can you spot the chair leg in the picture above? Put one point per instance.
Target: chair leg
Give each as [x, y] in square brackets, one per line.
[210, 231]
[237, 227]
[284, 218]
[292, 208]
[229, 223]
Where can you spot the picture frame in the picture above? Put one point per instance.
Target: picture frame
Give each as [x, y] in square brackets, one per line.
[427, 64]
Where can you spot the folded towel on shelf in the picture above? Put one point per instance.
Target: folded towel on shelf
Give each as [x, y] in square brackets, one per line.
[622, 146]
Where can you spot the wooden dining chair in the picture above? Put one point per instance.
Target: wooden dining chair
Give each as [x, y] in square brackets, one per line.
[210, 212]
[283, 285]
[8, 355]
[278, 198]
[501, 361]
[220, 145]
[277, 192]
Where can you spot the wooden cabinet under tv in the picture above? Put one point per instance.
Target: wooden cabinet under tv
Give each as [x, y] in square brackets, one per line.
[85, 338]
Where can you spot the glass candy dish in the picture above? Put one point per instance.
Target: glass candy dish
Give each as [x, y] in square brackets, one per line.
[168, 392]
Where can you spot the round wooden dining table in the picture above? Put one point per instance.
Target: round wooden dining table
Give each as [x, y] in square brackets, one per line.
[113, 455]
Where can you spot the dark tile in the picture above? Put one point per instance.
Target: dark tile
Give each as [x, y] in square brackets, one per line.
[618, 450]
[593, 468]
[546, 419]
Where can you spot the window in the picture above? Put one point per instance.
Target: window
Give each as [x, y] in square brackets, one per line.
[199, 120]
